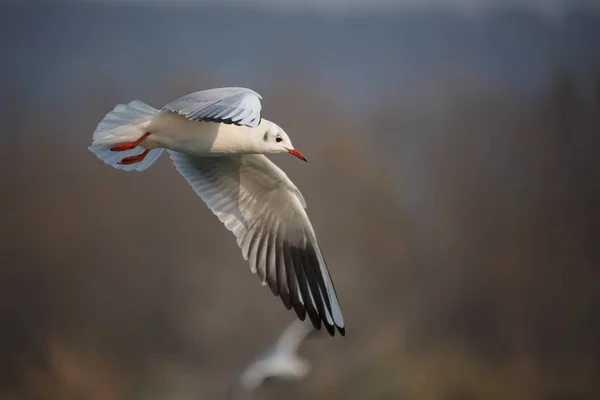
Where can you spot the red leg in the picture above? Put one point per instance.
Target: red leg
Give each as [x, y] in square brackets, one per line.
[131, 145]
[134, 159]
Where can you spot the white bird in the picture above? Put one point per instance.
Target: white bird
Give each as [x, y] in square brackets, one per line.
[216, 139]
[279, 361]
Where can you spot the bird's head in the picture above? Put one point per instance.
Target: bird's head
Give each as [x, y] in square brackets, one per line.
[275, 140]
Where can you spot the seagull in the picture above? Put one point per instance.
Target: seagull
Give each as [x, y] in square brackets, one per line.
[217, 139]
[279, 361]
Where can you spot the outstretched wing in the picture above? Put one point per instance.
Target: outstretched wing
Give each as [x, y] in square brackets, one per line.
[265, 211]
[231, 105]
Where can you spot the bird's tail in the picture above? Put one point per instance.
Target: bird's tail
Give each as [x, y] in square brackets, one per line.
[118, 138]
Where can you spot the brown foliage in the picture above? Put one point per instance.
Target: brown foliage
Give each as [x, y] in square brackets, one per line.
[463, 250]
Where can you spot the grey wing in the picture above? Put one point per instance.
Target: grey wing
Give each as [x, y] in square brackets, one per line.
[231, 105]
[264, 210]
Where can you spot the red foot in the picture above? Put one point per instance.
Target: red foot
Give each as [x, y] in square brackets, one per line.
[131, 145]
[134, 159]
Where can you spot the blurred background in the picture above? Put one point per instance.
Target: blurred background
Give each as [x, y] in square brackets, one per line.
[453, 184]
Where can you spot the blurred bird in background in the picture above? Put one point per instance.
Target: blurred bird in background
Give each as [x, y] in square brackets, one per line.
[279, 362]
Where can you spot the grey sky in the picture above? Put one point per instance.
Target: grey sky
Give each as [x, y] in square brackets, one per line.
[464, 6]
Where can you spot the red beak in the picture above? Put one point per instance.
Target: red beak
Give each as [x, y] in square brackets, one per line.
[296, 153]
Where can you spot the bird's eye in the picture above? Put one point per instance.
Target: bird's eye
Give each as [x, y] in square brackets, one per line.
[278, 138]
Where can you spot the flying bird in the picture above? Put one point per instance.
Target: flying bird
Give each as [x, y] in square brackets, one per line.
[217, 139]
[279, 361]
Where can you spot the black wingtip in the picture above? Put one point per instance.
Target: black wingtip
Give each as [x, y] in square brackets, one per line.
[314, 318]
[330, 329]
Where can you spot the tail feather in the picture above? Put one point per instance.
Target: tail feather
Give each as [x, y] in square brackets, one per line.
[126, 123]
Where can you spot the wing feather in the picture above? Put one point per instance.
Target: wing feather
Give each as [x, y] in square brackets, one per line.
[283, 279]
[230, 105]
[265, 211]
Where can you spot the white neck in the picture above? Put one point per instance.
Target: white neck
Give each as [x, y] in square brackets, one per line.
[240, 139]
